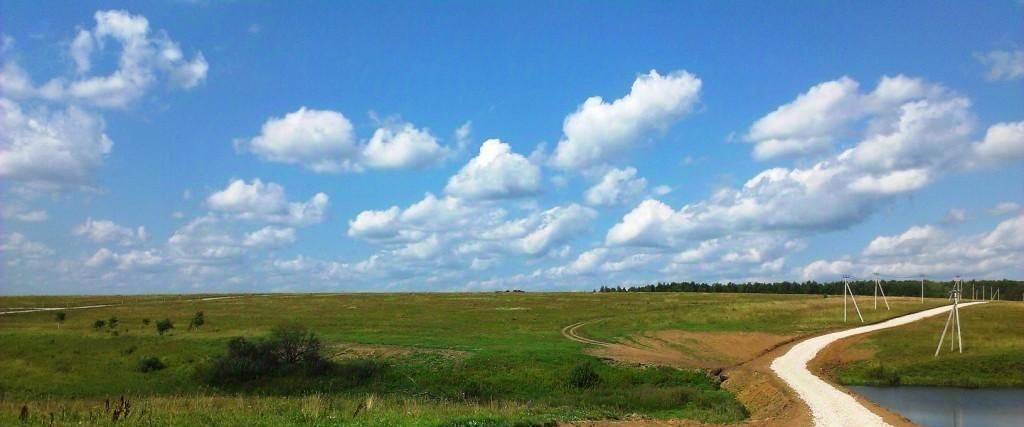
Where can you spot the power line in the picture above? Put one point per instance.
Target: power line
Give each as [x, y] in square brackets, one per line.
[955, 336]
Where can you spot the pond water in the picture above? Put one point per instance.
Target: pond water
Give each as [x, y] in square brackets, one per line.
[950, 406]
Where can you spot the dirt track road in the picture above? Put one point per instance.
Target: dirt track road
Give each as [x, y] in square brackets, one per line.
[830, 406]
[572, 332]
[24, 310]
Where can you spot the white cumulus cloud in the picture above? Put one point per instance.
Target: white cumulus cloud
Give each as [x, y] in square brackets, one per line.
[402, 146]
[51, 150]
[599, 131]
[617, 187]
[104, 231]
[270, 237]
[319, 140]
[259, 202]
[145, 57]
[495, 173]
[926, 250]
[324, 141]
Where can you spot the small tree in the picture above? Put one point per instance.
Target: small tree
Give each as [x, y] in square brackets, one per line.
[112, 323]
[145, 322]
[294, 344]
[164, 326]
[99, 324]
[197, 321]
[60, 316]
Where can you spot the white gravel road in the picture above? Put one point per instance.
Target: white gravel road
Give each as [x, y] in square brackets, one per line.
[830, 406]
[23, 310]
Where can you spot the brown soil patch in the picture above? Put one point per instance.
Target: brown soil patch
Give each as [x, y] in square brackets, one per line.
[344, 351]
[687, 349]
[770, 402]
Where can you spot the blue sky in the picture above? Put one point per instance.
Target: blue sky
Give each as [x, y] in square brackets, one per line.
[251, 146]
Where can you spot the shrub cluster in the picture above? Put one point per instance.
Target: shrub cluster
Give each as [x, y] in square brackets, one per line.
[150, 364]
[289, 349]
[163, 326]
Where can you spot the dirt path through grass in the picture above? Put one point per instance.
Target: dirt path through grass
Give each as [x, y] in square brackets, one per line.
[755, 380]
[38, 309]
[86, 307]
[572, 332]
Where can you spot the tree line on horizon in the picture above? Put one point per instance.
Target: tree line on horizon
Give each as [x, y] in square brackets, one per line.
[1008, 289]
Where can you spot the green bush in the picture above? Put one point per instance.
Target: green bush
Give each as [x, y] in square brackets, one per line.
[290, 349]
[584, 376]
[151, 364]
[197, 320]
[99, 324]
[164, 326]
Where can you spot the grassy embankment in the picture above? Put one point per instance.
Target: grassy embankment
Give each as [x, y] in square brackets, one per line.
[993, 352]
[490, 359]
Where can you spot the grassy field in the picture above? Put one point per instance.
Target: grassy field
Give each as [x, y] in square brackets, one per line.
[993, 352]
[440, 359]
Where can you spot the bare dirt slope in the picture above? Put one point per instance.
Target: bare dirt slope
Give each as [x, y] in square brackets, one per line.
[743, 358]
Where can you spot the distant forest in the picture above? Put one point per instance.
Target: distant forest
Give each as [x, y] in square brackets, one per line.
[1008, 289]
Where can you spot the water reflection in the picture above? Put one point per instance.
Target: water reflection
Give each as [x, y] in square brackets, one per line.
[951, 407]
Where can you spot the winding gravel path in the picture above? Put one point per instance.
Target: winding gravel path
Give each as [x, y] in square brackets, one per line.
[830, 406]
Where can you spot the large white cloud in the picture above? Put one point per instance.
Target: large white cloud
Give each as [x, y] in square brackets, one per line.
[51, 141]
[429, 215]
[16, 246]
[904, 147]
[910, 242]
[259, 202]
[145, 57]
[926, 250]
[1004, 142]
[402, 146]
[830, 110]
[739, 257]
[553, 227]
[51, 150]
[806, 124]
[645, 225]
[325, 141]
[319, 140]
[617, 187]
[599, 131]
[446, 237]
[204, 241]
[105, 231]
[495, 173]
[270, 237]
[134, 260]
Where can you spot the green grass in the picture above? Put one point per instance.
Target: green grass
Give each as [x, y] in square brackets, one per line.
[496, 351]
[993, 352]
